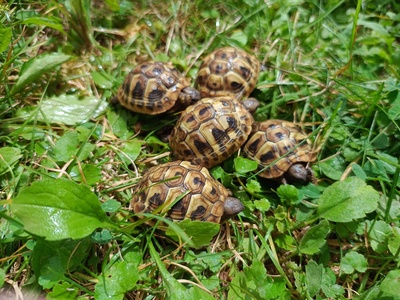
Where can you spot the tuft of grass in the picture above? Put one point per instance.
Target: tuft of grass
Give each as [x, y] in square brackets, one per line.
[69, 159]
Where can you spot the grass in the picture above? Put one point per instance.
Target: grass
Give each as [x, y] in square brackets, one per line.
[69, 158]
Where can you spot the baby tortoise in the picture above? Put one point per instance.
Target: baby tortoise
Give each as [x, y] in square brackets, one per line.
[205, 199]
[282, 151]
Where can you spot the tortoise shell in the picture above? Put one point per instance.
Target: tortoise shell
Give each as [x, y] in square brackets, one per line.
[228, 71]
[277, 146]
[202, 197]
[211, 130]
[155, 87]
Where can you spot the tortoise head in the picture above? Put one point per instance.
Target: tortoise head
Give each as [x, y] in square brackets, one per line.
[189, 96]
[232, 207]
[299, 173]
[251, 104]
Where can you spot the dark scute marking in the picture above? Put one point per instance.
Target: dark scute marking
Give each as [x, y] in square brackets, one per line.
[201, 146]
[223, 55]
[224, 103]
[279, 135]
[245, 71]
[197, 181]
[187, 153]
[178, 206]
[198, 212]
[253, 146]
[231, 122]
[213, 191]
[218, 134]
[236, 85]
[137, 92]
[178, 174]
[156, 95]
[190, 119]
[203, 110]
[155, 200]
[267, 156]
[218, 69]
[287, 148]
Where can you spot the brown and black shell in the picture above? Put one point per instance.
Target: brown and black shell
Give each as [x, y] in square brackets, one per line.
[211, 130]
[152, 88]
[277, 145]
[203, 200]
[228, 71]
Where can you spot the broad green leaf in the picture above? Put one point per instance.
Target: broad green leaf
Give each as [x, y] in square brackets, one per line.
[239, 37]
[347, 200]
[9, 156]
[334, 167]
[33, 69]
[66, 109]
[5, 38]
[87, 174]
[244, 165]
[201, 233]
[131, 151]
[314, 274]
[329, 286]
[102, 80]
[353, 261]
[378, 234]
[63, 291]
[314, 238]
[59, 209]
[391, 284]
[394, 243]
[52, 259]
[111, 205]
[120, 278]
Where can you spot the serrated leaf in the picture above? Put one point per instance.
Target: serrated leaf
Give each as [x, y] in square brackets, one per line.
[347, 200]
[9, 156]
[120, 278]
[391, 284]
[353, 261]
[63, 291]
[257, 284]
[253, 186]
[314, 238]
[262, 204]
[288, 194]
[59, 209]
[36, 67]
[66, 109]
